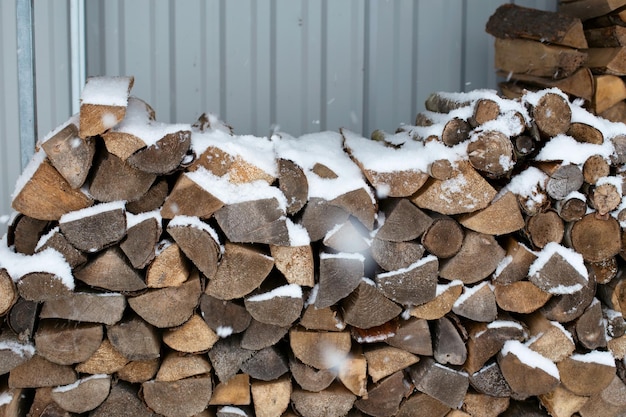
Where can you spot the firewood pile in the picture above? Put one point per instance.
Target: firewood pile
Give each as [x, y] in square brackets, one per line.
[581, 49]
[470, 264]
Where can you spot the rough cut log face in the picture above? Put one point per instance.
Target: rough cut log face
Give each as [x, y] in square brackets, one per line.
[490, 255]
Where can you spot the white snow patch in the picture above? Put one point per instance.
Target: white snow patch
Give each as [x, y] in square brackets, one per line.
[468, 292]
[28, 172]
[441, 288]
[595, 356]
[572, 257]
[312, 296]
[48, 261]
[504, 262]
[530, 358]
[342, 255]
[69, 387]
[420, 262]
[290, 291]
[106, 91]
[92, 211]
[527, 184]
[5, 398]
[43, 239]
[195, 222]
[567, 149]
[231, 193]
[615, 181]
[504, 323]
[224, 331]
[18, 348]
[135, 219]
[368, 281]
[298, 235]
[233, 410]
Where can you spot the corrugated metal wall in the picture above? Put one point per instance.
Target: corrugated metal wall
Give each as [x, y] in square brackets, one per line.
[295, 65]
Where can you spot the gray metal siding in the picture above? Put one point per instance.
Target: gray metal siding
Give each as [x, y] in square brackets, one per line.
[295, 65]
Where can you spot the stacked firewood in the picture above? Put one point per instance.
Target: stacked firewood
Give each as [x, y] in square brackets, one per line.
[468, 265]
[580, 49]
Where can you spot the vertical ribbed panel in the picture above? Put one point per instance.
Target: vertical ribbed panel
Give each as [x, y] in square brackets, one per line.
[298, 66]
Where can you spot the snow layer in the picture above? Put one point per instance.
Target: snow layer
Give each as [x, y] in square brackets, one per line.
[342, 255]
[5, 398]
[289, 291]
[135, 219]
[194, 221]
[530, 358]
[92, 211]
[441, 288]
[595, 356]
[28, 172]
[572, 257]
[298, 235]
[69, 387]
[420, 262]
[106, 91]
[18, 348]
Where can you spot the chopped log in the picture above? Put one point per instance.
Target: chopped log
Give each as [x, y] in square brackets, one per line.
[103, 104]
[544, 228]
[8, 292]
[186, 397]
[95, 228]
[479, 256]
[579, 84]
[83, 395]
[321, 350]
[606, 196]
[550, 339]
[67, 343]
[169, 268]
[587, 374]
[339, 275]
[477, 303]
[42, 405]
[491, 152]
[383, 361]
[590, 330]
[360, 204]
[309, 378]
[607, 60]
[384, 398]
[320, 216]
[42, 286]
[392, 256]
[524, 146]
[176, 367]
[448, 345]
[193, 336]
[152, 200]
[111, 270]
[527, 372]
[423, 405]
[594, 168]
[326, 318]
[606, 37]
[441, 169]
[512, 21]
[135, 339]
[596, 239]
[293, 183]
[520, 297]
[60, 197]
[164, 156]
[444, 237]
[403, 222]
[268, 364]
[256, 221]
[382, 333]
[198, 241]
[40, 372]
[241, 270]
[466, 192]
[235, 391]
[455, 131]
[490, 381]
[562, 402]
[105, 360]
[552, 115]
[585, 133]
[271, 398]
[485, 340]
[189, 198]
[485, 110]
[141, 239]
[224, 317]
[139, 371]
[227, 356]
[442, 383]
[13, 352]
[558, 270]
[502, 216]
[615, 113]
[588, 9]
[413, 285]
[413, 336]
[113, 179]
[26, 233]
[230, 411]
[55, 240]
[605, 270]
[261, 335]
[367, 307]
[572, 208]
[122, 400]
[280, 307]
[353, 373]
[168, 307]
[567, 307]
[442, 304]
[522, 56]
[23, 317]
[609, 401]
[295, 263]
[483, 405]
[609, 91]
[441, 103]
[335, 400]
[86, 307]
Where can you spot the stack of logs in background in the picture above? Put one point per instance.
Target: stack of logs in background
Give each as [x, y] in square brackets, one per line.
[581, 50]
[455, 267]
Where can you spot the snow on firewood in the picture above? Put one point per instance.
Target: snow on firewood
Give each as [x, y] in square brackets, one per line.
[595, 356]
[106, 91]
[298, 236]
[194, 221]
[290, 291]
[69, 387]
[92, 211]
[571, 256]
[529, 357]
[134, 219]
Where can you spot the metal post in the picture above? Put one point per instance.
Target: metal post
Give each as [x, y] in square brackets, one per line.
[26, 79]
[77, 42]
